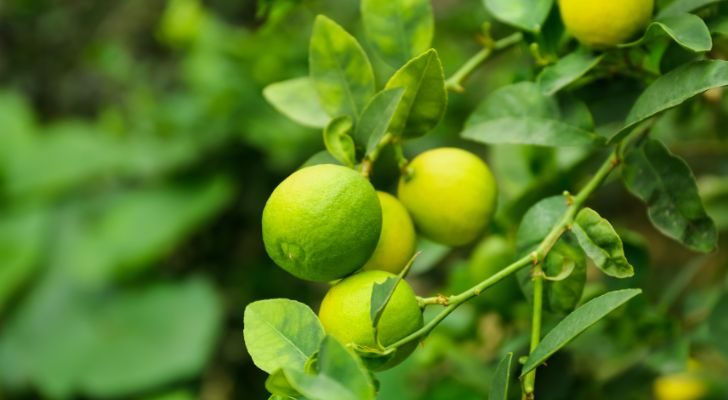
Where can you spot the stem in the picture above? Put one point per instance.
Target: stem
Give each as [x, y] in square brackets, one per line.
[368, 163]
[529, 381]
[455, 82]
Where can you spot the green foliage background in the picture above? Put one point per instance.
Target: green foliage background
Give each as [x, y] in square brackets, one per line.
[137, 152]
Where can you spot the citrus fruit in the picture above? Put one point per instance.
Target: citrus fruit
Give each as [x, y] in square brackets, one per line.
[451, 195]
[322, 222]
[600, 23]
[345, 314]
[490, 256]
[679, 386]
[397, 239]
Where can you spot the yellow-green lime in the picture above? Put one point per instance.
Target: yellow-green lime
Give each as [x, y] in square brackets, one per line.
[600, 23]
[345, 314]
[451, 195]
[322, 222]
[397, 240]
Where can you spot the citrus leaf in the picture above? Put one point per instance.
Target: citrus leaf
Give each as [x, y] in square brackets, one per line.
[398, 30]
[718, 324]
[522, 114]
[683, 6]
[568, 69]
[376, 118]
[528, 15]
[601, 243]
[687, 30]
[381, 293]
[340, 70]
[338, 142]
[297, 99]
[277, 384]
[501, 379]
[281, 333]
[666, 184]
[425, 98]
[674, 88]
[575, 323]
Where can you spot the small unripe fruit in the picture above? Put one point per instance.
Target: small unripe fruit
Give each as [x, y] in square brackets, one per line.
[397, 241]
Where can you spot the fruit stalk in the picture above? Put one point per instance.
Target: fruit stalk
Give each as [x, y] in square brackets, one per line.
[455, 82]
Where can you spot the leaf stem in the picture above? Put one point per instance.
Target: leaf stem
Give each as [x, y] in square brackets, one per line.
[368, 162]
[455, 82]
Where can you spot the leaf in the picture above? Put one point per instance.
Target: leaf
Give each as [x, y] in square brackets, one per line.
[718, 324]
[575, 323]
[338, 142]
[666, 184]
[674, 88]
[297, 99]
[521, 114]
[538, 221]
[281, 333]
[277, 384]
[430, 254]
[687, 30]
[340, 70]
[424, 100]
[501, 379]
[381, 293]
[340, 375]
[376, 118]
[567, 70]
[528, 15]
[398, 30]
[601, 243]
[683, 6]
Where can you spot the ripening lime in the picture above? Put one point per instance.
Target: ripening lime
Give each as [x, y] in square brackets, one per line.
[322, 222]
[600, 23]
[451, 195]
[397, 241]
[345, 314]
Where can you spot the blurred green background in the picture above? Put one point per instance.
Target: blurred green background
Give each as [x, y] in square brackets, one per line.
[137, 152]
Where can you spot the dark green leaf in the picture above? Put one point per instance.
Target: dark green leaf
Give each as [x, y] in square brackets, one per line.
[568, 69]
[281, 333]
[501, 379]
[398, 30]
[376, 118]
[425, 98]
[338, 142]
[538, 221]
[528, 15]
[684, 6]
[521, 114]
[687, 30]
[601, 243]
[340, 70]
[673, 88]
[297, 99]
[718, 324]
[666, 184]
[575, 323]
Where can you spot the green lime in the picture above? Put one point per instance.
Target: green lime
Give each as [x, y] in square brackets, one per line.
[345, 314]
[600, 23]
[397, 240]
[490, 256]
[451, 195]
[322, 222]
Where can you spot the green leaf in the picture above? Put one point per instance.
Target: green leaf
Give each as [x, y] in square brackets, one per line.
[501, 379]
[381, 293]
[674, 88]
[538, 221]
[277, 384]
[431, 253]
[297, 99]
[376, 118]
[338, 142]
[567, 70]
[684, 6]
[575, 323]
[340, 70]
[424, 100]
[21, 240]
[340, 375]
[666, 184]
[281, 333]
[687, 30]
[522, 114]
[718, 324]
[398, 30]
[601, 243]
[528, 15]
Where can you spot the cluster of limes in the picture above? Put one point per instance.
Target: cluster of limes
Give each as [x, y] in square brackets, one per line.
[327, 223]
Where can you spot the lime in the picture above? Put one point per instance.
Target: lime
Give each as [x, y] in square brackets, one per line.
[490, 256]
[397, 240]
[600, 23]
[451, 195]
[322, 222]
[345, 314]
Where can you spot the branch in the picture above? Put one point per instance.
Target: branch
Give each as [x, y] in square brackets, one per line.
[455, 82]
